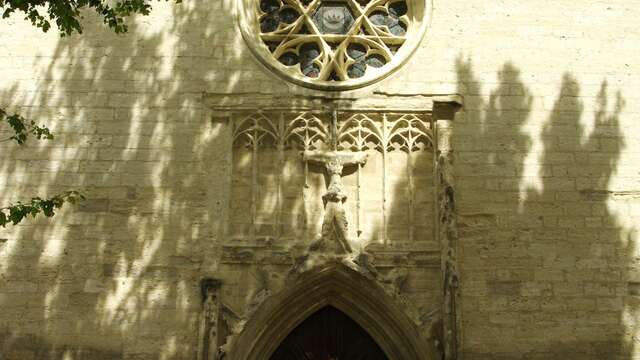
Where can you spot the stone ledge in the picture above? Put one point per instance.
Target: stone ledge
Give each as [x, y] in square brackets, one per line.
[378, 101]
[279, 255]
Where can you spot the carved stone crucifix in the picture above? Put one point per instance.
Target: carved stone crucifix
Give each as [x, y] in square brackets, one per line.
[335, 217]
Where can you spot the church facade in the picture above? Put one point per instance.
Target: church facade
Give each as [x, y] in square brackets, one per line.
[315, 179]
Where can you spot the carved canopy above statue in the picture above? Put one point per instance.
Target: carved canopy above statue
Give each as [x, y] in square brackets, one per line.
[278, 195]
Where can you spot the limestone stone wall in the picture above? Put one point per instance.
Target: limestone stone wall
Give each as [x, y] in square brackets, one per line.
[546, 173]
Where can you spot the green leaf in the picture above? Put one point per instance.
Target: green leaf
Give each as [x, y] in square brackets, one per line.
[23, 128]
[15, 213]
[66, 13]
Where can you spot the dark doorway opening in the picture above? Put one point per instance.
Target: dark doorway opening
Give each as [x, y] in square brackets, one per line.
[328, 334]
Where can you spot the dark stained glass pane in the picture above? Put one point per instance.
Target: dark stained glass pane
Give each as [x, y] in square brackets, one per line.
[398, 9]
[288, 58]
[357, 69]
[268, 23]
[288, 15]
[376, 60]
[311, 70]
[309, 51]
[269, 5]
[397, 28]
[356, 51]
[378, 18]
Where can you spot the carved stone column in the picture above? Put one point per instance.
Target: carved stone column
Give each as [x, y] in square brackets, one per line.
[447, 228]
[209, 321]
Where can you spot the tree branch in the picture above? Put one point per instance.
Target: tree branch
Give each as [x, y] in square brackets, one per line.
[22, 128]
[15, 213]
[66, 14]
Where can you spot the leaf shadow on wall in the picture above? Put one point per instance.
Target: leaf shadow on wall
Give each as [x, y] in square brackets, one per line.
[544, 266]
[118, 276]
[107, 279]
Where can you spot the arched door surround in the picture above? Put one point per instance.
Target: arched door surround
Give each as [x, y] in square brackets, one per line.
[358, 296]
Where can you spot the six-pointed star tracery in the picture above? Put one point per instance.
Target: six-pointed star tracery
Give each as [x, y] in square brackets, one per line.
[333, 40]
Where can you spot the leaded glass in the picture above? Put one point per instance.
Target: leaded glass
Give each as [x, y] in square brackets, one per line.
[333, 40]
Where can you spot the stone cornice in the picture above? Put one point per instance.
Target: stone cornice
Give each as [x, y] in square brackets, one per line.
[376, 102]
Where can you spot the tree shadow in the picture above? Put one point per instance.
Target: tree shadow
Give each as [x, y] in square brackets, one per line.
[543, 257]
[118, 276]
[544, 269]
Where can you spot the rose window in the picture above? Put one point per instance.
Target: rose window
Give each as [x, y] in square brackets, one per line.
[334, 43]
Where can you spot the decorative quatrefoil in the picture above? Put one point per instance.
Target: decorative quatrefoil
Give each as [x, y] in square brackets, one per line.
[334, 44]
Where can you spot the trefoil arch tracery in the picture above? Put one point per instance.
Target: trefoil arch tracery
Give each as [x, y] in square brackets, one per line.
[402, 143]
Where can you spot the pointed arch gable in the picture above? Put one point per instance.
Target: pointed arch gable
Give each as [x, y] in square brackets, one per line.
[346, 289]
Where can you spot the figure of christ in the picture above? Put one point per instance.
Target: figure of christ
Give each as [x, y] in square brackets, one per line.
[335, 217]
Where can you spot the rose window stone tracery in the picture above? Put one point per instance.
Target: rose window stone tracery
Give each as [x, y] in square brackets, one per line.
[334, 44]
[333, 40]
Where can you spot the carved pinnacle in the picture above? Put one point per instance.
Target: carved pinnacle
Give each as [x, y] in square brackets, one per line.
[333, 130]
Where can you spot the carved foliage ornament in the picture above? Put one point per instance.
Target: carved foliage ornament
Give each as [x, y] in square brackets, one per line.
[333, 44]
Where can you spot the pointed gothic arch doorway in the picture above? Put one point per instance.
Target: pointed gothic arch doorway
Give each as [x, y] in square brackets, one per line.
[328, 334]
[380, 319]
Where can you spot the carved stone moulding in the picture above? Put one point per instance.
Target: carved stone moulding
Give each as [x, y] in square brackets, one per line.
[224, 104]
[397, 328]
[384, 257]
[333, 44]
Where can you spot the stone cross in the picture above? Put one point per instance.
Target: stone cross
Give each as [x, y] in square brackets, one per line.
[335, 217]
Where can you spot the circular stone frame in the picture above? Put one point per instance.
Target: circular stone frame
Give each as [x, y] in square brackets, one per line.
[248, 20]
